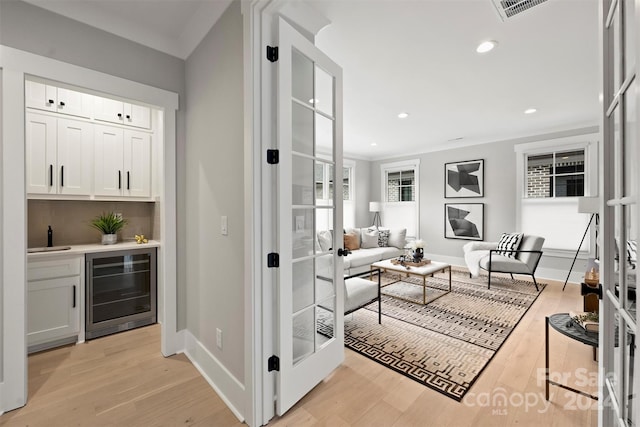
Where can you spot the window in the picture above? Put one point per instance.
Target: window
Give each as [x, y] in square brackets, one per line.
[552, 176]
[556, 174]
[400, 184]
[324, 182]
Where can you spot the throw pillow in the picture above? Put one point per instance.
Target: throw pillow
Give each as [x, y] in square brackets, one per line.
[325, 239]
[398, 238]
[383, 238]
[632, 253]
[369, 239]
[509, 242]
[351, 242]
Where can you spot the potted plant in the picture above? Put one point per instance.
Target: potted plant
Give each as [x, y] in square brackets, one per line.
[418, 249]
[109, 224]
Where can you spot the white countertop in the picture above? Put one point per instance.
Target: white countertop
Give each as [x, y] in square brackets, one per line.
[94, 247]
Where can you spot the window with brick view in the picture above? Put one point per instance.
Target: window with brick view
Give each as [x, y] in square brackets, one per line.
[556, 174]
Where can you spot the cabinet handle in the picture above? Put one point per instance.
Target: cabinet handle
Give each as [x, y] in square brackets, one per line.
[50, 101]
[61, 176]
[119, 180]
[74, 296]
[50, 175]
[61, 104]
[120, 116]
[128, 180]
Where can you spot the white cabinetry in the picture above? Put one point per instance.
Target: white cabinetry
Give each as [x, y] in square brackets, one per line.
[110, 110]
[122, 165]
[56, 99]
[59, 155]
[53, 301]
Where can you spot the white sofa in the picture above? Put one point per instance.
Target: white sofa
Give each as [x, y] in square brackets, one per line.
[370, 251]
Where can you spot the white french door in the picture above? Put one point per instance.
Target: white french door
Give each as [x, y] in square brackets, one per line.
[618, 365]
[310, 281]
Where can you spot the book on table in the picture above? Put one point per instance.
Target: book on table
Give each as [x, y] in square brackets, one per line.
[587, 321]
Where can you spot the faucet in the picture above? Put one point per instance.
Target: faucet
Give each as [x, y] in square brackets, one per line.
[49, 237]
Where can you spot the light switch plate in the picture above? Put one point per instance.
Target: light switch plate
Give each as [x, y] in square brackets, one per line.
[224, 229]
[219, 338]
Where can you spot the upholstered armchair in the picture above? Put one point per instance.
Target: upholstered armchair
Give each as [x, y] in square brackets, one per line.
[487, 256]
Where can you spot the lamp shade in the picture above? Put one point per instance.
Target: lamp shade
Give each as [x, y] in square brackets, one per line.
[375, 206]
[589, 205]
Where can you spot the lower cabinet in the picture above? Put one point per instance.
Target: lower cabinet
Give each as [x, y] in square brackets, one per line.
[53, 302]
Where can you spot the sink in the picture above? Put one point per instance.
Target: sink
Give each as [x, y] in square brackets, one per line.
[48, 249]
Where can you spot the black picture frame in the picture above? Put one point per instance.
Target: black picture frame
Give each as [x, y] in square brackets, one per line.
[464, 179]
[464, 221]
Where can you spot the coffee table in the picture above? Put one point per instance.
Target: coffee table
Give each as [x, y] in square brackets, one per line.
[423, 272]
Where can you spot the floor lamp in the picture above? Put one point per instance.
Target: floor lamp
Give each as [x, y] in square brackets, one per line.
[586, 205]
[376, 207]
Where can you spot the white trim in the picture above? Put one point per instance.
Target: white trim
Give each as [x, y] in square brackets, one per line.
[16, 65]
[215, 373]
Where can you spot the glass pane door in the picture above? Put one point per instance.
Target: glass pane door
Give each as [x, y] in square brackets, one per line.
[310, 283]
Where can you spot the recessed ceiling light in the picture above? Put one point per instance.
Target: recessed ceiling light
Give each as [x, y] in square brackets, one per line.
[313, 101]
[486, 46]
[530, 111]
[373, 144]
[403, 115]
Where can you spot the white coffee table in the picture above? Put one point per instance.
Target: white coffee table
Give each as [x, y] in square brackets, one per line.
[423, 272]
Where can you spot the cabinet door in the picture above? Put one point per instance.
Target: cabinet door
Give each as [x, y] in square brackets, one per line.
[75, 157]
[41, 164]
[40, 96]
[108, 110]
[137, 115]
[137, 164]
[52, 309]
[108, 161]
[74, 103]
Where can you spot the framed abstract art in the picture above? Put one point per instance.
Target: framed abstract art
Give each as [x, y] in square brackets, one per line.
[464, 179]
[464, 221]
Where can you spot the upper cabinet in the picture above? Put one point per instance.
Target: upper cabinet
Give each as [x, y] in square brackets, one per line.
[59, 155]
[110, 110]
[58, 100]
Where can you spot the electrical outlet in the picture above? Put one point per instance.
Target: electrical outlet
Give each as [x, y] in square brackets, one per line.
[219, 338]
[224, 229]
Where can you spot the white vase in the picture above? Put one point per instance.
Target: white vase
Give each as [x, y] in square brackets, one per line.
[109, 239]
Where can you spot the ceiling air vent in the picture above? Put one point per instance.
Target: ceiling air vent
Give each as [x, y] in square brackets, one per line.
[509, 8]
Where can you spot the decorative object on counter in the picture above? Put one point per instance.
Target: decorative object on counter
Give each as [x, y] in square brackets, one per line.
[403, 261]
[109, 224]
[140, 239]
[417, 246]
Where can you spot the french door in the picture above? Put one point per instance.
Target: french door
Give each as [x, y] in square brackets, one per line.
[310, 280]
[618, 364]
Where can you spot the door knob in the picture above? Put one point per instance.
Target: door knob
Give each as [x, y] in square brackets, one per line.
[343, 252]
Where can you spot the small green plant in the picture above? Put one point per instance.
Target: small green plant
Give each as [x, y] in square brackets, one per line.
[587, 317]
[108, 223]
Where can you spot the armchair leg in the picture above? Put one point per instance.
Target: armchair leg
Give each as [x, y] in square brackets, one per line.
[511, 274]
[489, 281]
[535, 283]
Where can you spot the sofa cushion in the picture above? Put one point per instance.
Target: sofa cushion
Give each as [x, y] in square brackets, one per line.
[351, 242]
[398, 237]
[509, 242]
[503, 263]
[325, 239]
[383, 238]
[358, 292]
[369, 238]
[363, 257]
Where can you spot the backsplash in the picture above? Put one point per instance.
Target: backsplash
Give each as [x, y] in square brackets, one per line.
[70, 219]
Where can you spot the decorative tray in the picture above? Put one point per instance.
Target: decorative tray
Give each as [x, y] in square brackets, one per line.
[422, 263]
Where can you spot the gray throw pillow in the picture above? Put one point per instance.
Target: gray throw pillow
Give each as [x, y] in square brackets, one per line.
[398, 238]
[369, 239]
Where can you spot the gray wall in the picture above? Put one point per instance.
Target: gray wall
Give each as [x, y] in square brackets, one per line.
[499, 199]
[363, 193]
[215, 187]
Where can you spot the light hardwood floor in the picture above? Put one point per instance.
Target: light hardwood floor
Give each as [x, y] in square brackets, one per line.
[122, 380]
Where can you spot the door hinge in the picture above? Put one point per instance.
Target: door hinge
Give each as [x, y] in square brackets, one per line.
[273, 260]
[272, 53]
[590, 290]
[273, 157]
[273, 364]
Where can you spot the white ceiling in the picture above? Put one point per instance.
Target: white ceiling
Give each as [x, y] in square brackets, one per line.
[416, 56]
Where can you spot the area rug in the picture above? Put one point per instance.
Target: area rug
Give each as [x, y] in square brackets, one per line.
[446, 344]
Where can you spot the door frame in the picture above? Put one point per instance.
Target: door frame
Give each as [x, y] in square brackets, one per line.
[15, 65]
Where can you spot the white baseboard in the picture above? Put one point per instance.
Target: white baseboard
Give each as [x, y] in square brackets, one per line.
[230, 390]
[541, 273]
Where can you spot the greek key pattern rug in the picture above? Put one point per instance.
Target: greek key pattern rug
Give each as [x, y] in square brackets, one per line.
[446, 344]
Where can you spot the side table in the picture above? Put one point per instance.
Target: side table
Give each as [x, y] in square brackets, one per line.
[562, 323]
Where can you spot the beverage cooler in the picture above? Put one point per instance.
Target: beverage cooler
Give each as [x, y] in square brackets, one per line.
[121, 291]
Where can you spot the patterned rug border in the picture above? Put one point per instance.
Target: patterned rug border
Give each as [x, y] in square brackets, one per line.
[473, 381]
